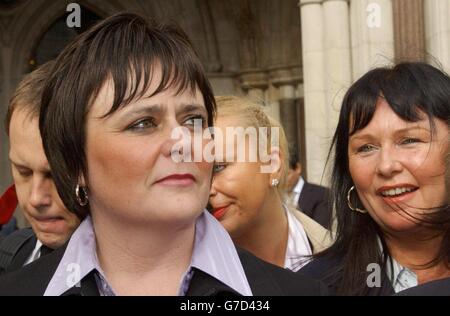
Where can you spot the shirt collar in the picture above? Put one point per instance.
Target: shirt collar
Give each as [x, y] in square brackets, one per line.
[400, 277]
[299, 186]
[214, 253]
[35, 254]
[298, 248]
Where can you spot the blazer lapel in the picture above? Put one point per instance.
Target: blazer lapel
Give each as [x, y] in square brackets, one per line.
[202, 284]
[22, 255]
[88, 287]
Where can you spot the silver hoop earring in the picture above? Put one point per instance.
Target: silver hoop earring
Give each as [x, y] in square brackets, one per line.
[82, 201]
[350, 203]
[275, 182]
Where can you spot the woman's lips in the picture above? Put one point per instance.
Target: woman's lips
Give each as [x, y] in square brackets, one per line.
[182, 180]
[218, 213]
[404, 197]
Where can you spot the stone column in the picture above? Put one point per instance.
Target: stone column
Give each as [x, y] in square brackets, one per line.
[255, 83]
[437, 32]
[372, 35]
[327, 74]
[316, 111]
[409, 30]
[338, 75]
[286, 81]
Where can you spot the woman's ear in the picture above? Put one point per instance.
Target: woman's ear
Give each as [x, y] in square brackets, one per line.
[81, 181]
[275, 164]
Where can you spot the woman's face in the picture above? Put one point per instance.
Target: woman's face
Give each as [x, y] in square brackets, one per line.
[398, 164]
[239, 189]
[131, 174]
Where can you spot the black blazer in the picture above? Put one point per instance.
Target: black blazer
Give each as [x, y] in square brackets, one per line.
[434, 288]
[324, 269]
[22, 254]
[313, 201]
[264, 279]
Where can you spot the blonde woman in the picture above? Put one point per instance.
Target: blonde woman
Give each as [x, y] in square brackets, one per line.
[248, 201]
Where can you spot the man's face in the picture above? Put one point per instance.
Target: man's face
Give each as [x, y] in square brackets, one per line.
[52, 223]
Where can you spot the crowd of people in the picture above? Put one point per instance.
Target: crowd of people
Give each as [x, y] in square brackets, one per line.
[112, 212]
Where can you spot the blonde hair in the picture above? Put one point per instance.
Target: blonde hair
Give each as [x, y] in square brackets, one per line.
[251, 114]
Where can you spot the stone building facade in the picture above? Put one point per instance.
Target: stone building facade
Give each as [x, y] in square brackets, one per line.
[299, 57]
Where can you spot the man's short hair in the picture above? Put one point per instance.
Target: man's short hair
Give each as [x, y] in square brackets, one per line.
[293, 160]
[28, 93]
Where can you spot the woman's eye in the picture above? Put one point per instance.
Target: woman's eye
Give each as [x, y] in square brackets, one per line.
[408, 141]
[365, 148]
[143, 124]
[218, 167]
[196, 120]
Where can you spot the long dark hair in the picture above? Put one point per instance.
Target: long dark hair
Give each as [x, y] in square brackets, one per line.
[125, 48]
[408, 88]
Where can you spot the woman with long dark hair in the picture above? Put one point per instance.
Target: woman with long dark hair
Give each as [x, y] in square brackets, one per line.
[388, 183]
[440, 287]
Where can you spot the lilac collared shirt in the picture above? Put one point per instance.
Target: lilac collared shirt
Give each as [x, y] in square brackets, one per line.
[214, 253]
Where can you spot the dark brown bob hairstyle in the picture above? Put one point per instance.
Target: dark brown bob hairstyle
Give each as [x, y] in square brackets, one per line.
[125, 48]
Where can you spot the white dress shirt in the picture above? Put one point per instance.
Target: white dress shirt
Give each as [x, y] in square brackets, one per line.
[35, 254]
[295, 194]
[298, 247]
[400, 277]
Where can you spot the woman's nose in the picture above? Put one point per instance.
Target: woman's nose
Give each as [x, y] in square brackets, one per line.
[177, 143]
[388, 164]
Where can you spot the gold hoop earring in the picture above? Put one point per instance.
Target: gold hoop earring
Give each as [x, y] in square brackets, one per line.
[83, 202]
[350, 203]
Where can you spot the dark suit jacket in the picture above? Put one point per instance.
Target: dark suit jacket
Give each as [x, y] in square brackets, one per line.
[313, 201]
[434, 288]
[324, 269]
[22, 254]
[264, 279]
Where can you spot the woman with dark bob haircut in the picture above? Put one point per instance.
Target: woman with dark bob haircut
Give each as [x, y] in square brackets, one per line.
[388, 183]
[114, 100]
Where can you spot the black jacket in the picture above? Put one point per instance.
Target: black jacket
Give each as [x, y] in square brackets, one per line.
[264, 279]
[325, 269]
[434, 288]
[313, 201]
[23, 243]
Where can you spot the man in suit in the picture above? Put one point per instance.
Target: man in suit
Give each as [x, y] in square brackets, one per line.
[310, 198]
[52, 224]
